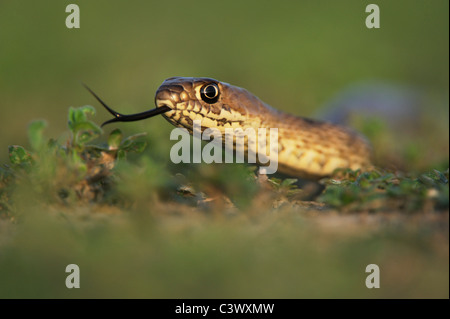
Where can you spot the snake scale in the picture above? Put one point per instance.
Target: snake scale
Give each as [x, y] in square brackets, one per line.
[307, 148]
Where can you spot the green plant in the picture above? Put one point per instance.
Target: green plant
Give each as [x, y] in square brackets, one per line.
[73, 170]
[382, 190]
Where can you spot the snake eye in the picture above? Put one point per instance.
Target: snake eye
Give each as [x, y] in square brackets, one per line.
[210, 93]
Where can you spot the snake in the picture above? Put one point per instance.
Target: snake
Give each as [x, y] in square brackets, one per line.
[307, 148]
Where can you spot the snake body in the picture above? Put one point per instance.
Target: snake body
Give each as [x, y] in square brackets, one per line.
[307, 148]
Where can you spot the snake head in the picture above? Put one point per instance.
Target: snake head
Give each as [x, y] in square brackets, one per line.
[216, 104]
[181, 100]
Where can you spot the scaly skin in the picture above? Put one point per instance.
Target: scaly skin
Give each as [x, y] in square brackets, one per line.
[307, 148]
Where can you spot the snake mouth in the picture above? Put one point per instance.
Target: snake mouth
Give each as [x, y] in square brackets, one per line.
[119, 117]
[164, 104]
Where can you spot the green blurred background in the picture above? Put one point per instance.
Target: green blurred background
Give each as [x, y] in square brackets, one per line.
[294, 55]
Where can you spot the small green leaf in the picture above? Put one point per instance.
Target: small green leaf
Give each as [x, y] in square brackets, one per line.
[288, 181]
[131, 145]
[35, 134]
[84, 137]
[275, 181]
[129, 140]
[71, 118]
[85, 132]
[19, 155]
[441, 177]
[135, 146]
[79, 115]
[87, 110]
[114, 139]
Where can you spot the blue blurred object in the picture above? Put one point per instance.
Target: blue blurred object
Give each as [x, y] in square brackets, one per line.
[399, 107]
